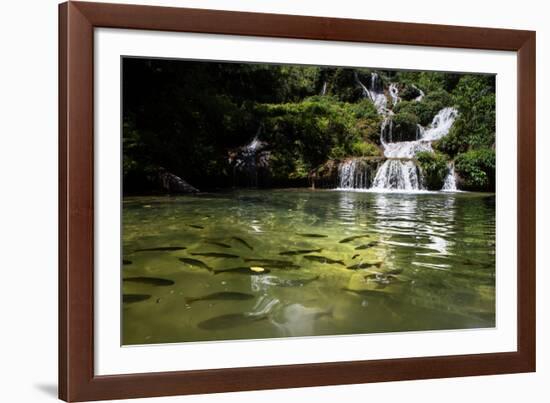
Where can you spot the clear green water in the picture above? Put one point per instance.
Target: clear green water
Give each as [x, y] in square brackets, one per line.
[432, 260]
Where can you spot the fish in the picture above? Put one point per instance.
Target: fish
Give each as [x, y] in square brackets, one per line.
[323, 259]
[195, 262]
[253, 271]
[126, 262]
[131, 298]
[273, 263]
[367, 245]
[161, 248]
[267, 261]
[352, 238]
[300, 252]
[354, 256]
[149, 280]
[297, 282]
[216, 255]
[363, 293]
[220, 244]
[195, 226]
[243, 242]
[394, 271]
[220, 296]
[282, 266]
[230, 320]
[310, 235]
[364, 265]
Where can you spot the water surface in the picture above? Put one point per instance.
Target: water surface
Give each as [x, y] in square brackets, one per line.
[426, 262]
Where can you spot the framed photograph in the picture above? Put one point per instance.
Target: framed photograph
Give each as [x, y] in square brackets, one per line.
[256, 201]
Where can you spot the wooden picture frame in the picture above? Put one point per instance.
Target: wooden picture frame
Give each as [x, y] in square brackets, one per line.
[77, 381]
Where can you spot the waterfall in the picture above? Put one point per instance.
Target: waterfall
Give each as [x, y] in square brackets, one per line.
[386, 129]
[398, 175]
[449, 184]
[375, 92]
[253, 145]
[366, 92]
[249, 159]
[400, 171]
[420, 92]
[324, 89]
[441, 124]
[378, 97]
[394, 93]
[353, 175]
[406, 149]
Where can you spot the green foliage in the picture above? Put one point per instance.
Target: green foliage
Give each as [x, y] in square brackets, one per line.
[367, 120]
[405, 125]
[364, 149]
[428, 81]
[475, 98]
[342, 85]
[426, 109]
[187, 117]
[409, 93]
[451, 144]
[434, 169]
[476, 169]
[364, 109]
[312, 130]
[438, 99]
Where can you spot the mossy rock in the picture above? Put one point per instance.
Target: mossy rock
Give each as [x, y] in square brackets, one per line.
[434, 169]
[325, 176]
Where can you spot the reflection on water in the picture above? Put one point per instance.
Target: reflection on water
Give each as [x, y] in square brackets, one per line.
[415, 262]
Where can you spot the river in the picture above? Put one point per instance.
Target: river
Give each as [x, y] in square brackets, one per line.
[280, 263]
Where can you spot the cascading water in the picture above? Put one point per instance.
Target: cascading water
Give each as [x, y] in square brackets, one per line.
[375, 92]
[324, 89]
[420, 93]
[394, 93]
[248, 159]
[351, 175]
[400, 171]
[398, 175]
[449, 185]
[441, 124]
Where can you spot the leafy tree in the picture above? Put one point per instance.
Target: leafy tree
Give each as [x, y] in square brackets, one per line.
[188, 116]
[434, 169]
[475, 98]
[476, 169]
